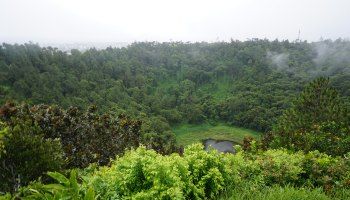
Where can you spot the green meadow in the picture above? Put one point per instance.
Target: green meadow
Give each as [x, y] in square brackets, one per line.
[188, 133]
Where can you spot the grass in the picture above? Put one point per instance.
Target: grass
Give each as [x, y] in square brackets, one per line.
[187, 133]
[276, 193]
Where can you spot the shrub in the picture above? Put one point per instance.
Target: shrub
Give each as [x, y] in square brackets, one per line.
[5, 197]
[86, 137]
[207, 171]
[200, 174]
[27, 155]
[66, 188]
[280, 167]
[327, 171]
[249, 192]
[144, 174]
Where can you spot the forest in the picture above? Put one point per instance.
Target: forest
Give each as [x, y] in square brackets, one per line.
[114, 123]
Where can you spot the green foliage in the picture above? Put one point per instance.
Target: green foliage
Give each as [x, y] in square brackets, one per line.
[249, 192]
[207, 172]
[326, 171]
[144, 174]
[164, 84]
[157, 135]
[280, 167]
[318, 120]
[66, 188]
[234, 82]
[85, 137]
[5, 197]
[200, 174]
[27, 155]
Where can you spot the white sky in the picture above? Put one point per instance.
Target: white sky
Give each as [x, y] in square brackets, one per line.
[165, 20]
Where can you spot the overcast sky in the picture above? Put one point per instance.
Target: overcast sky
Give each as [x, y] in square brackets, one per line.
[67, 21]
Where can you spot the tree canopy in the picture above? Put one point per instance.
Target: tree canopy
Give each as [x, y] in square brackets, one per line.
[317, 120]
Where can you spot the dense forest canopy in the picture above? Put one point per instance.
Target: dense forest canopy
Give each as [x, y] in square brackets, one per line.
[247, 83]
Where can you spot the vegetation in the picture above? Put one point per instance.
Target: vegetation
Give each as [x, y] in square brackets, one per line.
[198, 174]
[43, 138]
[191, 133]
[26, 155]
[277, 193]
[317, 120]
[86, 137]
[152, 97]
[247, 84]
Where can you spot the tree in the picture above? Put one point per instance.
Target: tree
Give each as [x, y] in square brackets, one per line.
[317, 120]
[86, 137]
[26, 155]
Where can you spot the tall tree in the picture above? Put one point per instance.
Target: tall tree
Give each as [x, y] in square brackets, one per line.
[318, 119]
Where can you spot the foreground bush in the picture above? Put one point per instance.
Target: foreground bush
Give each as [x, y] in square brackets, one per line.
[144, 174]
[249, 192]
[198, 174]
[42, 138]
[26, 155]
[86, 137]
[65, 188]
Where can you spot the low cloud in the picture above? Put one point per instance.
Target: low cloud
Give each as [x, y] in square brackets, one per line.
[279, 60]
[331, 57]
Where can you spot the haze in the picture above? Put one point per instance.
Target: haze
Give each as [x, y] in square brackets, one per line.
[60, 21]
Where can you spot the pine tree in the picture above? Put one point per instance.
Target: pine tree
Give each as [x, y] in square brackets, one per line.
[318, 108]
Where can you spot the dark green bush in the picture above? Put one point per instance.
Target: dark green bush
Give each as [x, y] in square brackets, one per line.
[27, 155]
[86, 137]
[326, 171]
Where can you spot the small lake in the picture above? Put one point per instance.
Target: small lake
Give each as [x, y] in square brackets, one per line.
[224, 146]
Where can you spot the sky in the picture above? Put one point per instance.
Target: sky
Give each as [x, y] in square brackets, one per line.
[69, 21]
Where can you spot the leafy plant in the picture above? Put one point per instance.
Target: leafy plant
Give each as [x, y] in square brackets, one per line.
[66, 188]
[199, 174]
[27, 155]
[85, 137]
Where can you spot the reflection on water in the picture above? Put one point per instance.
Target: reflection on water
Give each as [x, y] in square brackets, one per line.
[225, 146]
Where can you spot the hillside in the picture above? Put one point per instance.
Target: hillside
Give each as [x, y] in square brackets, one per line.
[246, 84]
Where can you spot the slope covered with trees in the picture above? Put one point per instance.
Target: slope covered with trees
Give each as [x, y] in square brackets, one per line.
[247, 83]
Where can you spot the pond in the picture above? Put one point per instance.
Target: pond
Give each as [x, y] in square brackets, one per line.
[224, 146]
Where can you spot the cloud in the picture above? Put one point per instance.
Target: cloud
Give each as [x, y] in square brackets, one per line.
[279, 60]
[331, 57]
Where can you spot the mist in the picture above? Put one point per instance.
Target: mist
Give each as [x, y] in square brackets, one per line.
[92, 21]
[331, 57]
[279, 60]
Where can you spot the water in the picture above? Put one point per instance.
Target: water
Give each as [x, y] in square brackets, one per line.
[224, 146]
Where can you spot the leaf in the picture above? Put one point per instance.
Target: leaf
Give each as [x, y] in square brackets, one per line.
[59, 177]
[52, 187]
[73, 180]
[90, 194]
